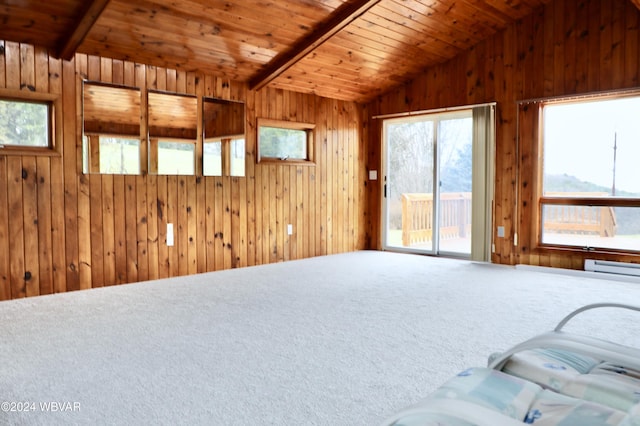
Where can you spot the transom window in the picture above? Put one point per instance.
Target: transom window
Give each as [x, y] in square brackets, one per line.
[285, 141]
[590, 195]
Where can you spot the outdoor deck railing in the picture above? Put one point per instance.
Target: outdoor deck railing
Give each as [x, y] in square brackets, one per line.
[417, 216]
[455, 218]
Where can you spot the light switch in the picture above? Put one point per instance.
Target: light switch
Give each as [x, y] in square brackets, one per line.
[373, 175]
[289, 229]
[501, 231]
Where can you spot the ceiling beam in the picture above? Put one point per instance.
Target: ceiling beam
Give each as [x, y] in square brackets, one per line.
[340, 18]
[91, 13]
[636, 2]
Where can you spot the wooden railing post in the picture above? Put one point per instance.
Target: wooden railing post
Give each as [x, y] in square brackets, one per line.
[407, 220]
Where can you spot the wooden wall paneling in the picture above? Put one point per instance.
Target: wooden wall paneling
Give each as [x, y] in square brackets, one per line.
[201, 198]
[58, 237]
[279, 227]
[45, 260]
[2, 64]
[29, 186]
[132, 213]
[321, 133]
[631, 48]
[332, 192]
[218, 220]
[5, 269]
[108, 231]
[237, 235]
[181, 226]
[606, 45]
[505, 146]
[618, 43]
[16, 227]
[100, 72]
[250, 181]
[191, 260]
[192, 225]
[291, 107]
[12, 65]
[569, 27]
[277, 219]
[271, 179]
[120, 228]
[226, 222]
[43, 175]
[30, 211]
[558, 47]
[582, 47]
[254, 102]
[300, 248]
[351, 174]
[288, 197]
[97, 223]
[70, 175]
[161, 208]
[85, 259]
[173, 208]
[341, 175]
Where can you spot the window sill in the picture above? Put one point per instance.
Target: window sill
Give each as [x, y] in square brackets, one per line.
[33, 152]
[275, 161]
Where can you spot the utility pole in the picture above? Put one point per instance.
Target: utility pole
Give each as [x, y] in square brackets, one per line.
[615, 148]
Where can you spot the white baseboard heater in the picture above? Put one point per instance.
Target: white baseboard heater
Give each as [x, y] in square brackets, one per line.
[620, 268]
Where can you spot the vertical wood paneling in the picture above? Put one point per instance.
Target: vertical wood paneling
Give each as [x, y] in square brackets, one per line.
[30, 227]
[16, 227]
[5, 258]
[61, 230]
[45, 242]
[566, 47]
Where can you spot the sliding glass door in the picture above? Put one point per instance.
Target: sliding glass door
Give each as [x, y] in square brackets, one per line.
[428, 183]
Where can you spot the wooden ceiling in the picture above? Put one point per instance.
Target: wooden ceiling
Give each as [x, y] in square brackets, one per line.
[342, 49]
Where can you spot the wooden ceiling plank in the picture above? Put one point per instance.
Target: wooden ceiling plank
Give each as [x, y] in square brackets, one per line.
[342, 17]
[81, 29]
[636, 2]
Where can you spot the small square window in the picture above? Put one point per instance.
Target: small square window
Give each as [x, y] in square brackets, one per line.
[285, 141]
[25, 123]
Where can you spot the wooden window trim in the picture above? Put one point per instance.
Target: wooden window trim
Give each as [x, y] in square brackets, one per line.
[537, 130]
[291, 125]
[55, 123]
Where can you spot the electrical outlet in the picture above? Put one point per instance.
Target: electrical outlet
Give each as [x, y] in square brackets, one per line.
[289, 229]
[169, 234]
[373, 175]
[501, 231]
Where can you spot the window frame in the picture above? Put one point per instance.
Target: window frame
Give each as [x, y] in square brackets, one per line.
[54, 113]
[91, 165]
[308, 128]
[543, 200]
[153, 139]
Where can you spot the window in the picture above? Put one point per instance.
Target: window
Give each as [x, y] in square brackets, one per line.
[111, 129]
[224, 147]
[113, 154]
[285, 141]
[590, 192]
[27, 122]
[172, 133]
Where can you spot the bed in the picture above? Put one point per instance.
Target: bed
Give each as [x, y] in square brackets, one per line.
[554, 379]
